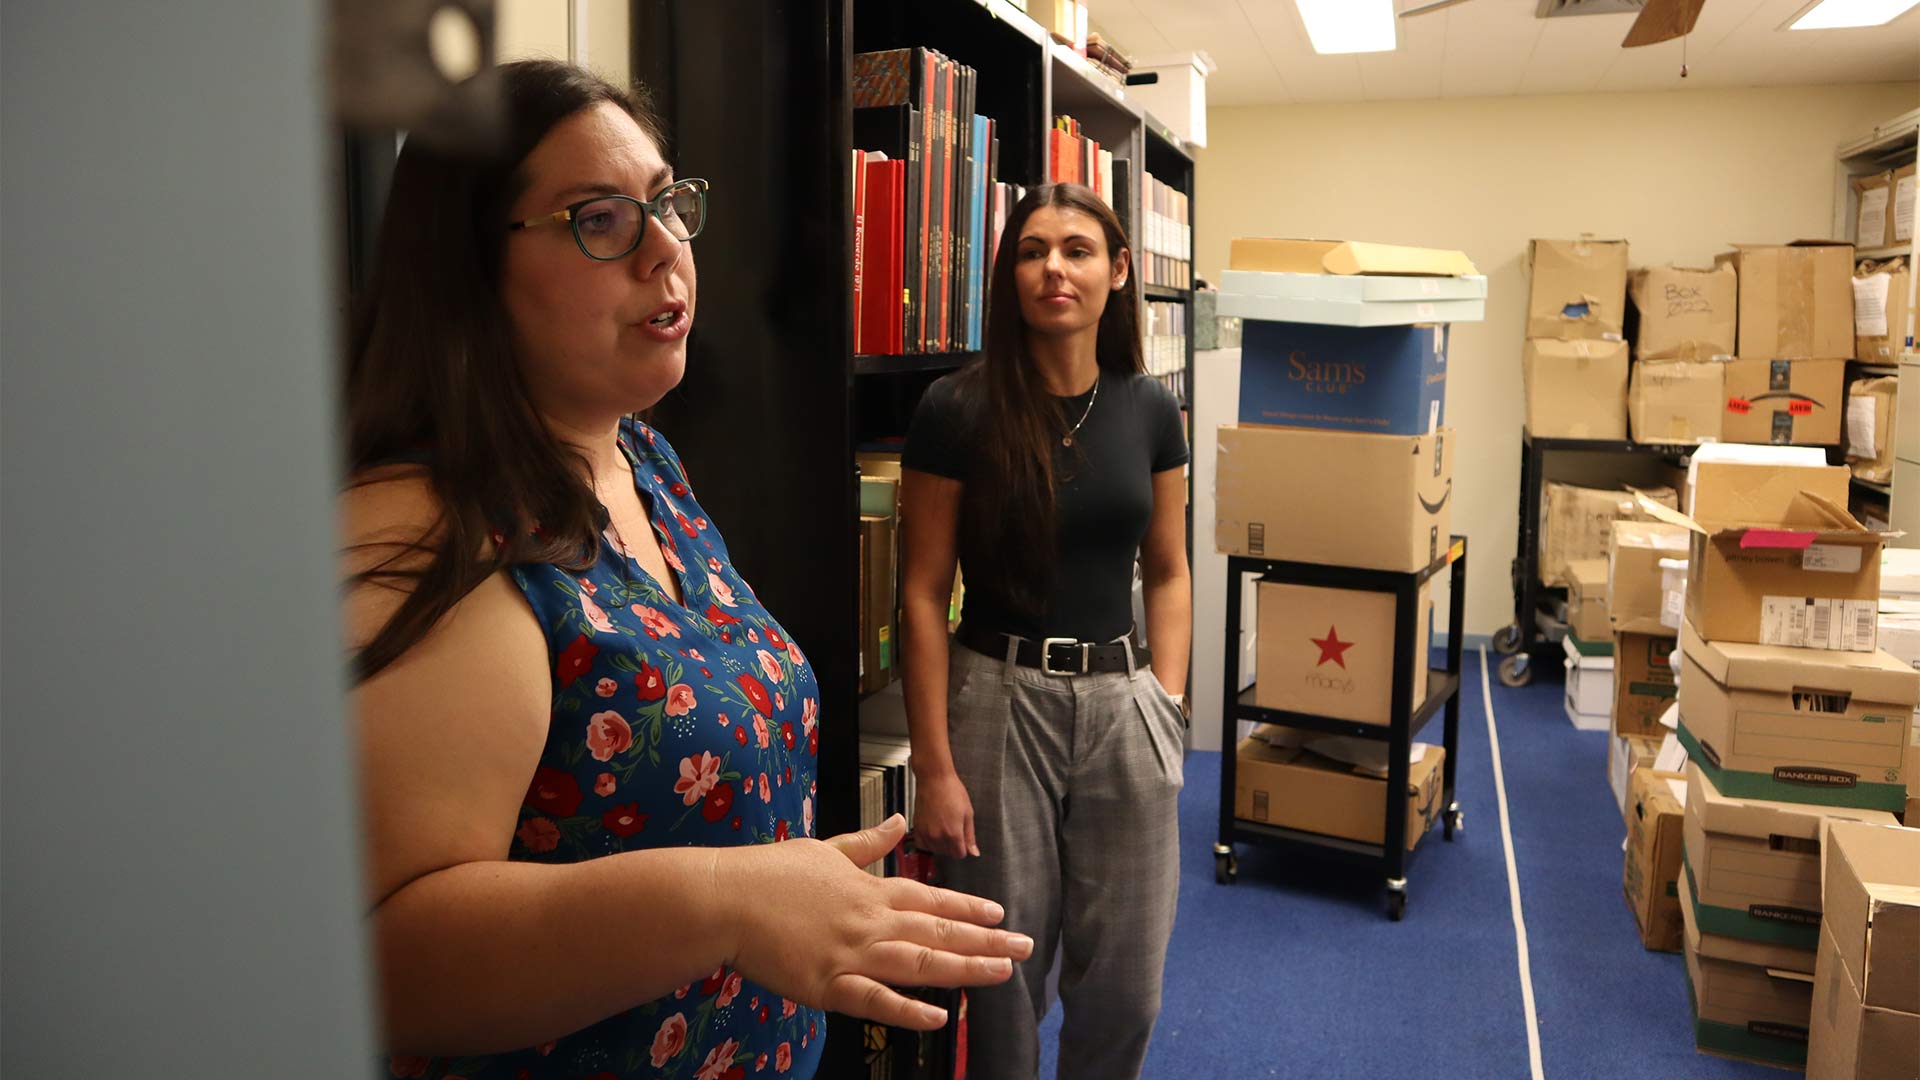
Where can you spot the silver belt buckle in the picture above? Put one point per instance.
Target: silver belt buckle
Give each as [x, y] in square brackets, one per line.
[1046, 655]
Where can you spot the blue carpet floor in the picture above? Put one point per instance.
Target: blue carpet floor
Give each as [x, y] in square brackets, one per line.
[1295, 971]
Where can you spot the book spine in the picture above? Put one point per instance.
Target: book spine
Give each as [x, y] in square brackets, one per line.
[859, 165]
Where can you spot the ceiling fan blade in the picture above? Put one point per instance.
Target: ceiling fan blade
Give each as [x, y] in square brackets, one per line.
[1663, 20]
[1429, 8]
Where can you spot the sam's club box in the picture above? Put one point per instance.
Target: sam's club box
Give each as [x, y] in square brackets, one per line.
[1379, 380]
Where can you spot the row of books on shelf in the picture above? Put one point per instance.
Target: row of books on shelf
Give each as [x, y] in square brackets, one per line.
[1164, 344]
[1074, 158]
[927, 203]
[1168, 238]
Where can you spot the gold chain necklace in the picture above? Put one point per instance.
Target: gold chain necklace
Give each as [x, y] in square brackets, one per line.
[1067, 439]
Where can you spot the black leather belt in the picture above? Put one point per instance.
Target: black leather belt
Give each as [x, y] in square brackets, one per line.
[1055, 656]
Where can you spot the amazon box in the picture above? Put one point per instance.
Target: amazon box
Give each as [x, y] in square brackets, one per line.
[1578, 289]
[1677, 401]
[1750, 1011]
[1636, 586]
[1753, 865]
[1784, 402]
[1796, 301]
[1643, 684]
[1377, 502]
[1774, 559]
[1797, 725]
[1682, 314]
[1329, 652]
[1650, 879]
[1379, 380]
[1577, 523]
[1575, 389]
[1295, 788]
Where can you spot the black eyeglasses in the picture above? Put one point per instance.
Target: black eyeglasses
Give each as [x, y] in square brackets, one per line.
[609, 227]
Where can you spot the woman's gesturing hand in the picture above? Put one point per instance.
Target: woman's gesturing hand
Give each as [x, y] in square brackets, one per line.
[943, 817]
[812, 926]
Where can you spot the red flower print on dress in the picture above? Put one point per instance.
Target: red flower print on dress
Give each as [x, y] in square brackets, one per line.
[624, 821]
[780, 832]
[806, 815]
[763, 1014]
[753, 636]
[608, 733]
[740, 735]
[719, 801]
[655, 624]
[813, 742]
[774, 639]
[651, 684]
[722, 591]
[618, 545]
[705, 673]
[787, 1007]
[769, 665]
[786, 733]
[554, 791]
[794, 654]
[546, 1048]
[685, 525]
[604, 784]
[746, 786]
[694, 655]
[731, 990]
[766, 789]
[595, 617]
[680, 700]
[719, 1060]
[718, 617]
[714, 982]
[713, 564]
[409, 1067]
[698, 774]
[760, 1063]
[670, 1039]
[809, 713]
[783, 1054]
[736, 824]
[756, 694]
[779, 701]
[606, 688]
[668, 553]
[761, 733]
[700, 523]
[538, 834]
[588, 587]
[576, 660]
[678, 490]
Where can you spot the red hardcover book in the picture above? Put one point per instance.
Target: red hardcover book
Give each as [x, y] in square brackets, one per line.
[882, 309]
[859, 248]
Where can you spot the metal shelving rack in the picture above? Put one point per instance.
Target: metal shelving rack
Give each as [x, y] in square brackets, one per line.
[1443, 695]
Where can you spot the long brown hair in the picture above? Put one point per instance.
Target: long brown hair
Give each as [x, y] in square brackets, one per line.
[431, 374]
[1007, 513]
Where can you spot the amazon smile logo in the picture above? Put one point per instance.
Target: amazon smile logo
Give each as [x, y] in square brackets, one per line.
[1435, 507]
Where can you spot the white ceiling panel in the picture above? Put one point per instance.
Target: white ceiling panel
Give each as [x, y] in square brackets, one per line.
[1499, 47]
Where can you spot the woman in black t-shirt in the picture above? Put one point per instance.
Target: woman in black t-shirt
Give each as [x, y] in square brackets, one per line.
[1046, 742]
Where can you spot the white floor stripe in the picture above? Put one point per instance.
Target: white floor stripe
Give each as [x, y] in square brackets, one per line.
[1513, 878]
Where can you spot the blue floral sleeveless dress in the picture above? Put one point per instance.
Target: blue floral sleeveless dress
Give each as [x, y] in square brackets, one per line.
[673, 725]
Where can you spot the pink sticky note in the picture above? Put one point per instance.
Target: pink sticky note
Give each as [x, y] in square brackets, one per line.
[1776, 538]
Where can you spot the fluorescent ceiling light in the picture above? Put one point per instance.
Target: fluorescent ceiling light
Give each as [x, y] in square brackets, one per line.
[1350, 26]
[1837, 14]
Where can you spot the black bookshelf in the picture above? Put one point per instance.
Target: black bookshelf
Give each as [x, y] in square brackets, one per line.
[756, 97]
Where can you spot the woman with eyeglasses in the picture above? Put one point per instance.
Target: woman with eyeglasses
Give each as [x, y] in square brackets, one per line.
[1047, 744]
[581, 736]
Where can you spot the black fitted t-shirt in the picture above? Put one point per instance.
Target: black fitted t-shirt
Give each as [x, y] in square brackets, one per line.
[1103, 502]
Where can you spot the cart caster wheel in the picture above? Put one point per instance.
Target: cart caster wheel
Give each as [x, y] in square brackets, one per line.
[1397, 905]
[1453, 821]
[1516, 670]
[1506, 640]
[1225, 869]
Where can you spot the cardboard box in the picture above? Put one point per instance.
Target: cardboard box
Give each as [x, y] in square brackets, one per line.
[1351, 300]
[1575, 389]
[1765, 954]
[1775, 560]
[1577, 523]
[1677, 401]
[1912, 815]
[1871, 407]
[1870, 887]
[1745, 1011]
[1587, 600]
[1378, 502]
[1882, 298]
[1650, 877]
[1589, 699]
[1636, 597]
[1383, 380]
[1753, 865]
[1796, 300]
[1873, 210]
[1289, 256]
[1684, 314]
[1903, 200]
[1850, 1040]
[1797, 725]
[876, 603]
[1625, 755]
[1784, 402]
[1579, 289]
[1643, 684]
[1330, 651]
[1298, 789]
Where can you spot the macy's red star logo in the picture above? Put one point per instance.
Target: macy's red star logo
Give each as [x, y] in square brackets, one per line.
[1332, 648]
